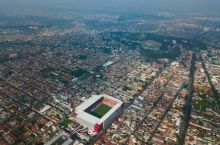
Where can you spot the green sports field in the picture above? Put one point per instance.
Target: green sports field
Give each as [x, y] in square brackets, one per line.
[100, 111]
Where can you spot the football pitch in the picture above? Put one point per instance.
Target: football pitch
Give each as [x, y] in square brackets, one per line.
[101, 110]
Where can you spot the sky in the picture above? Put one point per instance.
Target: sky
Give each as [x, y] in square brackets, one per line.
[143, 6]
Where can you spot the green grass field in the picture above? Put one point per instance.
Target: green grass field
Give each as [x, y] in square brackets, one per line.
[100, 111]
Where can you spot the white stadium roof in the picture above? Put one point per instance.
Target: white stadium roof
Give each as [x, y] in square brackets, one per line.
[82, 107]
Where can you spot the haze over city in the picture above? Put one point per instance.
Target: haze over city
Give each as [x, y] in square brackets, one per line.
[179, 6]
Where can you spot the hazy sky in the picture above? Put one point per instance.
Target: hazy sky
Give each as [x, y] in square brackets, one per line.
[197, 6]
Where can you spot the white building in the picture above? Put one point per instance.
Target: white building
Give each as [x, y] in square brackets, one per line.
[98, 112]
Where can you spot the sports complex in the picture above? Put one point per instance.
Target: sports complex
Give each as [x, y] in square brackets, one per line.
[98, 112]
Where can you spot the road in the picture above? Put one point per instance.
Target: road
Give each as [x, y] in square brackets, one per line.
[163, 116]
[214, 91]
[184, 124]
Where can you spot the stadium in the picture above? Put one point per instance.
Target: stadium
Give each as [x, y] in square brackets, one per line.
[98, 112]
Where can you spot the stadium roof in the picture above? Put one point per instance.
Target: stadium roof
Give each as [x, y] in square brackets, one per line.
[81, 108]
